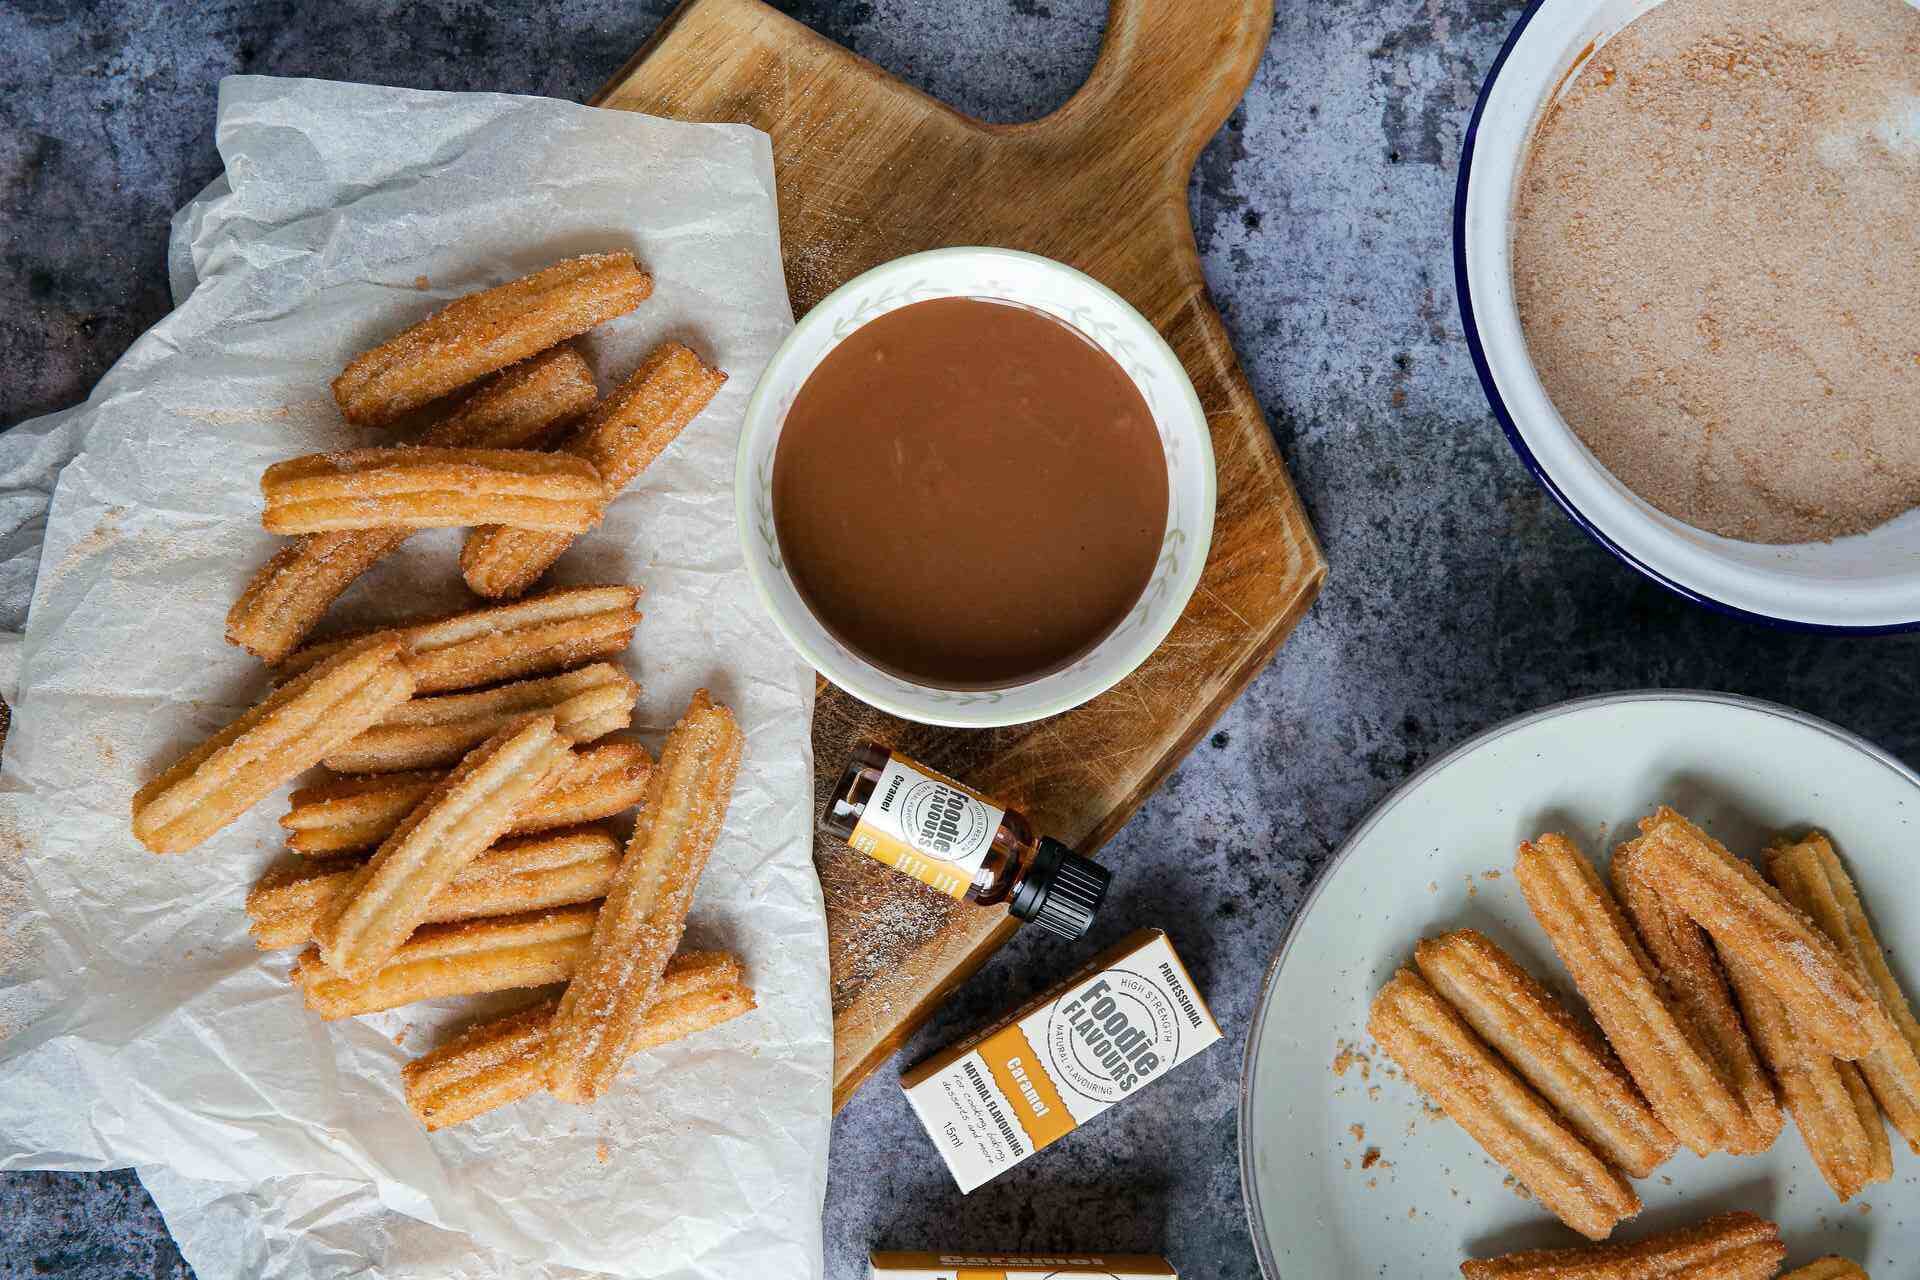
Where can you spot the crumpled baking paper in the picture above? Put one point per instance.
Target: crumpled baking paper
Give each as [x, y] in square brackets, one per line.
[138, 1025]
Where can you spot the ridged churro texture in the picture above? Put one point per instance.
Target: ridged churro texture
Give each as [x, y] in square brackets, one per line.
[548, 632]
[1813, 879]
[342, 815]
[646, 910]
[279, 739]
[532, 873]
[621, 438]
[505, 1060]
[488, 330]
[1570, 1066]
[1697, 992]
[460, 818]
[468, 958]
[423, 488]
[1443, 1057]
[1747, 917]
[291, 592]
[1676, 1071]
[1728, 1246]
[1828, 1268]
[586, 703]
[1827, 1097]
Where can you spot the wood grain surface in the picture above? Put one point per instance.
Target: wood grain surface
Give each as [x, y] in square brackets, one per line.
[870, 169]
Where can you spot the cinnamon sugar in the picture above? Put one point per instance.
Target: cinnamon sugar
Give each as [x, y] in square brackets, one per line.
[1716, 260]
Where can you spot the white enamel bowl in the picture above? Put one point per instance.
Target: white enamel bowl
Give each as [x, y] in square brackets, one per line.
[1438, 854]
[1860, 584]
[1112, 325]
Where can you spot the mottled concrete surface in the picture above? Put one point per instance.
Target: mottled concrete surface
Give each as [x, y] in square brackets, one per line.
[1459, 594]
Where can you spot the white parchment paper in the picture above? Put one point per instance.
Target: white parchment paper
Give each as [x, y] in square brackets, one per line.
[140, 1025]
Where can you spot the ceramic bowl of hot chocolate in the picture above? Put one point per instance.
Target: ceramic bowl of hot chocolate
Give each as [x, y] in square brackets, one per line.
[1861, 583]
[975, 487]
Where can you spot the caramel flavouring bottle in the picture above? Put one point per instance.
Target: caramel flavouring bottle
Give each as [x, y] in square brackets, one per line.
[961, 843]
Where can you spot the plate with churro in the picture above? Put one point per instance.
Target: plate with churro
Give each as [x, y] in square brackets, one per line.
[1622, 988]
[411, 799]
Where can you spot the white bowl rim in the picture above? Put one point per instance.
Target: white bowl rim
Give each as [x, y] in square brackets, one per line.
[1516, 437]
[1262, 1001]
[848, 674]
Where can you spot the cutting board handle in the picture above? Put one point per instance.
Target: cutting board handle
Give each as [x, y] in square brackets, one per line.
[1168, 74]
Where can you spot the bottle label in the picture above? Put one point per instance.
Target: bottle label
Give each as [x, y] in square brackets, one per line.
[927, 826]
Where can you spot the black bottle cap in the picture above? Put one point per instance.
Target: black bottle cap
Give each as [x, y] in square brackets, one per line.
[1060, 891]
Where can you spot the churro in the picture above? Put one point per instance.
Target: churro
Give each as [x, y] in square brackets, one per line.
[291, 592]
[1443, 1057]
[474, 335]
[1697, 992]
[464, 814]
[1828, 1268]
[548, 632]
[646, 909]
[466, 958]
[1811, 876]
[1676, 1071]
[422, 488]
[273, 743]
[1828, 1097]
[587, 703]
[505, 1060]
[1570, 1066]
[1747, 917]
[341, 815]
[620, 438]
[1728, 1246]
[531, 873]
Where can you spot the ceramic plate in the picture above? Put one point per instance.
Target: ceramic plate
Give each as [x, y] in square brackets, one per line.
[1438, 854]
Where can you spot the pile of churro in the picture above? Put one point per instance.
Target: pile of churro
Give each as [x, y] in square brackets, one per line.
[1726, 999]
[459, 840]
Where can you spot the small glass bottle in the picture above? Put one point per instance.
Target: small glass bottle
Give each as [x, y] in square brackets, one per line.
[961, 843]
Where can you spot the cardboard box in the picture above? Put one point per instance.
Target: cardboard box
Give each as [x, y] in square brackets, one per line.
[1020, 1266]
[1126, 1019]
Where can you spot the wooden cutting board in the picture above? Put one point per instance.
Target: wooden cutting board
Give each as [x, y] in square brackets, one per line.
[870, 169]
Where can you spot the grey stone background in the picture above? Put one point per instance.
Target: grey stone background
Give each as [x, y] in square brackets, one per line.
[1459, 594]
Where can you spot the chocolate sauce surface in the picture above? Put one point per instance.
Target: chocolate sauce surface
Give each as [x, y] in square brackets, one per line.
[969, 493]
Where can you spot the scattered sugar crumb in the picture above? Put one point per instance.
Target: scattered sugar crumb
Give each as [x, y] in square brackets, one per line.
[1348, 1162]
[1490, 875]
[603, 1152]
[1372, 1183]
[1359, 1132]
[1472, 888]
[1865, 1207]
[1412, 1214]
[1349, 1056]
[1665, 1180]
[1433, 886]
[1373, 1093]
[1518, 1187]
[1371, 1158]
[421, 282]
[400, 1036]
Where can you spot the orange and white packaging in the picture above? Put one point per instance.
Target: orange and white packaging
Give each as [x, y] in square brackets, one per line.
[1126, 1019]
[1020, 1266]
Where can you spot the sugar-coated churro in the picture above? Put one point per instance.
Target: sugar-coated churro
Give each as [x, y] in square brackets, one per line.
[1828, 1097]
[1728, 1246]
[505, 1060]
[1570, 1066]
[463, 815]
[1828, 1268]
[620, 438]
[646, 909]
[530, 873]
[422, 488]
[1747, 917]
[1697, 992]
[548, 632]
[474, 335]
[1676, 1072]
[291, 592]
[1811, 876]
[341, 815]
[587, 703]
[1443, 1057]
[279, 739]
[466, 958]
